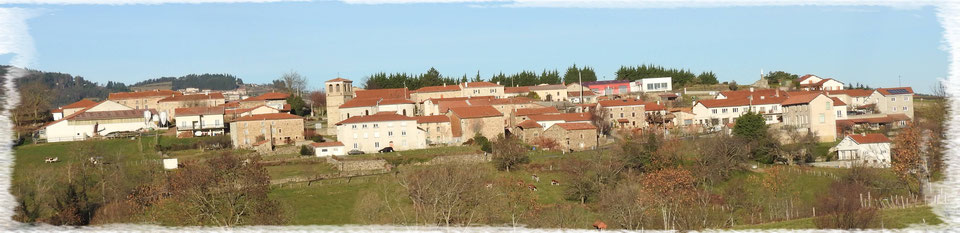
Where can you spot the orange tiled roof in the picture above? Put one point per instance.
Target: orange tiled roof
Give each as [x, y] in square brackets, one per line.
[385, 116]
[432, 119]
[142, 94]
[800, 99]
[389, 93]
[367, 102]
[851, 92]
[476, 111]
[215, 95]
[338, 79]
[805, 77]
[620, 102]
[438, 88]
[479, 84]
[869, 138]
[84, 103]
[535, 111]
[895, 90]
[268, 116]
[576, 126]
[838, 102]
[218, 110]
[529, 124]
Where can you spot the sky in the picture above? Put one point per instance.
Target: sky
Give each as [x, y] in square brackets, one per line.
[258, 42]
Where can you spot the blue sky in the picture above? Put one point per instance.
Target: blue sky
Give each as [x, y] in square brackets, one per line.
[259, 42]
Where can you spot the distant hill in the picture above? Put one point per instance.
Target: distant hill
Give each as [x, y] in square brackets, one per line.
[69, 88]
[201, 81]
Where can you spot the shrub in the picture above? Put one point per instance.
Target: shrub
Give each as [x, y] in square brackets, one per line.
[305, 150]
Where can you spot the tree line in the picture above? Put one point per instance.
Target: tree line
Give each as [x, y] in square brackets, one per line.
[433, 78]
[681, 77]
[201, 81]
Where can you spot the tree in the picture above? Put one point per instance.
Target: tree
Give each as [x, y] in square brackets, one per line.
[573, 74]
[673, 189]
[908, 159]
[750, 126]
[720, 156]
[627, 205]
[446, 195]
[842, 208]
[780, 78]
[223, 191]
[733, 86]
[298, 106]
[601, 118]
[294, 83]
[508, 153]
[318, 101]
[707, 78]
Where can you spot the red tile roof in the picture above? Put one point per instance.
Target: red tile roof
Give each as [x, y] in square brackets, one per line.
[69, 116]
[511, 100]
[577, 93]
[898, 117]
[268, 116]
[390, 93]
[215, 95]
[869, 138]
[576, 126]
[756, 93]
[268, 96]
[142, 94]
[521, 90]
[535, 111]
[437, 100]
[338, 79]
[107, 115]
[741, 101]
[529, 124]
[895, 91]
[476, 111]
[231, 104]
[805, 77]
[432, 119]
[851, 92]
[620, 102]
[385, 116]
[652, 106]
[479, 84]
[799, 99]
[367, 102]
[326, 144]
[219, 110]
[548, 87]
[438, 89]
[838, 102]
[566, 117]
[84, 103]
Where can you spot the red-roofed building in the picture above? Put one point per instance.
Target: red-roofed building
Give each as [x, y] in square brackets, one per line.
[323, 149]
[372, 133]
[894, 100]
[852, 97]
[278, 128]
[370, 106]
[200, 121]
[72, 108]
[437, 128]
[516, 91]
[624, 113]
[101, 119]
[609, 87]
[272, 99]
[872, 150]
[471, 120]
[811, 113]
[822, 85]
[142, 99]
[387, 93]
[573, 136]
[171, 104]
[472, 89]
[435, 92]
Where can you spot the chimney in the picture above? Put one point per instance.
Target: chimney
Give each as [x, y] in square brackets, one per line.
[658, 102]
[863, 134]
[762, 97]
[778, 92]
[751, 89]
[498, 82]
[444, 84]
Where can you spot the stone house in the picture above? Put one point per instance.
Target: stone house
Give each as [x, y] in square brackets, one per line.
[469, 121]
[573, 136]
[624, 113]
[142, 99]
[278, 128]
[437, 128]
[170, 104]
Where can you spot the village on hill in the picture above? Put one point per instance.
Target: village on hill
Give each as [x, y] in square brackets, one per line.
[565, 155]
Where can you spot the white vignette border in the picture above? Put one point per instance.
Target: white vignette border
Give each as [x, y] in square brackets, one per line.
[15, 39]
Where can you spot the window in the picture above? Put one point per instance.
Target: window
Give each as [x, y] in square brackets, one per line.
[839, 113]
[724, 110]
[323, 150]
[633, 114]
[893, 109]
[829, 104]
[714, 111]
[822, 118]
[905, 98]
[376, 126]
[354, 145]
[892, 99]
[438, 128]
[621, 114]
[354, 126]
[734, 109]
[403, 133]
[279, 130]
[376, 144]
[904, 108]
[390, 133]
[364, 126]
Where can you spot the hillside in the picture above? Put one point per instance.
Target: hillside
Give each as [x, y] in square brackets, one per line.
[68, 88]
[201, 81]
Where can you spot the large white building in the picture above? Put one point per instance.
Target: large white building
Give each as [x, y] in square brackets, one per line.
[99, 120]
[372, 133]
[653, 84]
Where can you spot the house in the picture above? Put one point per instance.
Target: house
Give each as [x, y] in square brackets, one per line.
[437, 92]
[437, 128]
[585, 97]
[894, 100]
[170, 104]
[871, 122]
[142, 99]
[516, 91]
[573, 136]
[840, 108]
[654, 84]
[871, 150]
[624, 113]
[324, 149]
[200, 121]
[468, 121]
[440, 106]
[551, 92]
[275, 128]
[370, 106]
[523, 114]
[72, 108]
[811, 113]
[852, 97]
[822, 85]
[471, 89]
[718, 112]
[548, 120]
[101, 119]
[230, 114]
[273, 99]
[528, 131]
[609, 87]
[683, 116]
[372, 133]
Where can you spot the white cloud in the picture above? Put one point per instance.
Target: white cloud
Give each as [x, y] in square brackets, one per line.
[15, 36]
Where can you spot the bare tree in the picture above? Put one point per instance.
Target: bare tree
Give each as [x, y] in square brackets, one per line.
[294, 82]
[318, 101]
[446, 195]
[842, 208]
[627, 205]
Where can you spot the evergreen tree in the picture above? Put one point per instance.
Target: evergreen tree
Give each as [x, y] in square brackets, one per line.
[750, 126]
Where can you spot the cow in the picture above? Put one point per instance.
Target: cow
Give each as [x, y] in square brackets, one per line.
[554, 182]
[535, 178]
[532, 187]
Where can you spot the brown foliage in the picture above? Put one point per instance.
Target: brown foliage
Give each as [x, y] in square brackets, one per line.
[546, 143]
[446, 195]
[719, 156]
[842, 209]
[908, 162]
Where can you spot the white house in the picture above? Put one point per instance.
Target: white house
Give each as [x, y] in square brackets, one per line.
[374, 132]
[323, 149]
[654, 84]
[99, 120]
[69, 109]
[200, 121]
[872, 150]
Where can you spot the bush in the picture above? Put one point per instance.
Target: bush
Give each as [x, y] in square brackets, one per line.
[305, 150]
[842, 208]
[483, 142]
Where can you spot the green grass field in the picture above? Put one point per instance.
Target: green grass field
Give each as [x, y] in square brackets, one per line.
[329, 203]
[890, 219]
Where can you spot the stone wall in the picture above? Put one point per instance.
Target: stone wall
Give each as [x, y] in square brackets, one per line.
[358, 165]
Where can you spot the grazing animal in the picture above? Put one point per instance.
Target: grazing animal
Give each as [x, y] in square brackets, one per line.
[51, 160]
[489, 185]
[520, 183]
[554, 182]
[536, 178]
[599, 225]
[532, 187]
